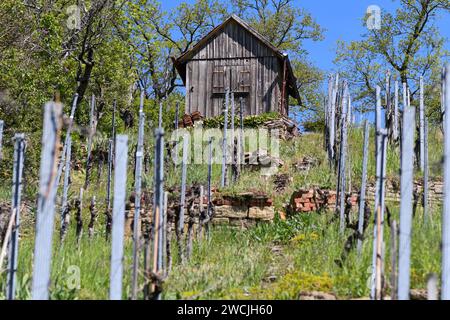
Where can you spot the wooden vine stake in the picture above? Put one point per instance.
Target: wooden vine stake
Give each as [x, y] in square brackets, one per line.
[394, 259]
[333, 121]
[93, 212]
[209, 212]
[201, 216]
[406, 202]
[233, 143]
[157, 213]
[443, 95]
[19, 154]
[223, 180]
[342, 159]
[379, 266]
[445, 295]
[2, 125]
[46, 201]
[362, 194]
[180, 226]
[176, 124]
[118, 218]
[108, 219]
[425, 174]
[432, 287]
[165, 240]
[65, 210]
[378, 216]
[241, 136]
[160, 121]
[89, 146]
[79, 216]
[137, 199]
[395, 125]
[68, 140]
[328, 117]
[422, 127]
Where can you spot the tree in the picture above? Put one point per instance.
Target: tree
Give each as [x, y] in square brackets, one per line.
[155, 35]
[408, 43]
[41, 55]
[287, 27]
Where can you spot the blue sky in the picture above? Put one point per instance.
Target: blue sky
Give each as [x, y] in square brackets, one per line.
[342, 21]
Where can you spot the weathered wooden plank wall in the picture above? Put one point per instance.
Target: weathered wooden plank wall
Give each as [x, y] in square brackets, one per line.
[234, 58]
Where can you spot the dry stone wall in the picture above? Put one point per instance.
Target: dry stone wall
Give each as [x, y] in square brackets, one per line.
[316, 199]
[243, 210]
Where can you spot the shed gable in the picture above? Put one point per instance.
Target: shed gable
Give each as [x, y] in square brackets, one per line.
[233, 41]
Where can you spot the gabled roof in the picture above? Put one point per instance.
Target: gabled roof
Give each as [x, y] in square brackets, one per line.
[181, 61]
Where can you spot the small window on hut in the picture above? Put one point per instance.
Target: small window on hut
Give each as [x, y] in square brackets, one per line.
[218, 79]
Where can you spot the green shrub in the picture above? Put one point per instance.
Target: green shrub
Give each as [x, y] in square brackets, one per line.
[253, 121]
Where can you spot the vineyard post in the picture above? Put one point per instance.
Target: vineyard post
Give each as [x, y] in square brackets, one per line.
[405, 95]
[406, 201]
[164, 233]
[93, 211]
[109, 181]
[388, 112]
[223, 180]
[19, 153]
[342, 158]
[201, 216]
[66, 142]
[362, 195]
[328, 119]
[64, 207]
[333, 120]
[380, 219]
[349, 162]
[118, 221]
[349, 112]
[89, 146]
[422, 126]
[113, 123]
[443, 95]
[378, 155]
[160, 115]
[209, 195]
[325, 127]
[241, 134]
[78, 217]
[395, 126]
[180, 227]
[432, 287]
[177, 114]
[46, 202]
[233, 143]
[446, 208]
[2, 124]
[425, 173]
[108, 184]
[158, 204]
[137, 199]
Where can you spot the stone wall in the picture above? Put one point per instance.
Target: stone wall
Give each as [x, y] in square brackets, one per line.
[243, 210]
[316, 199]
[435, 193]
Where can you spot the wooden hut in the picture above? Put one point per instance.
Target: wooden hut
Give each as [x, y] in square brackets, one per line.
[235, 56]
